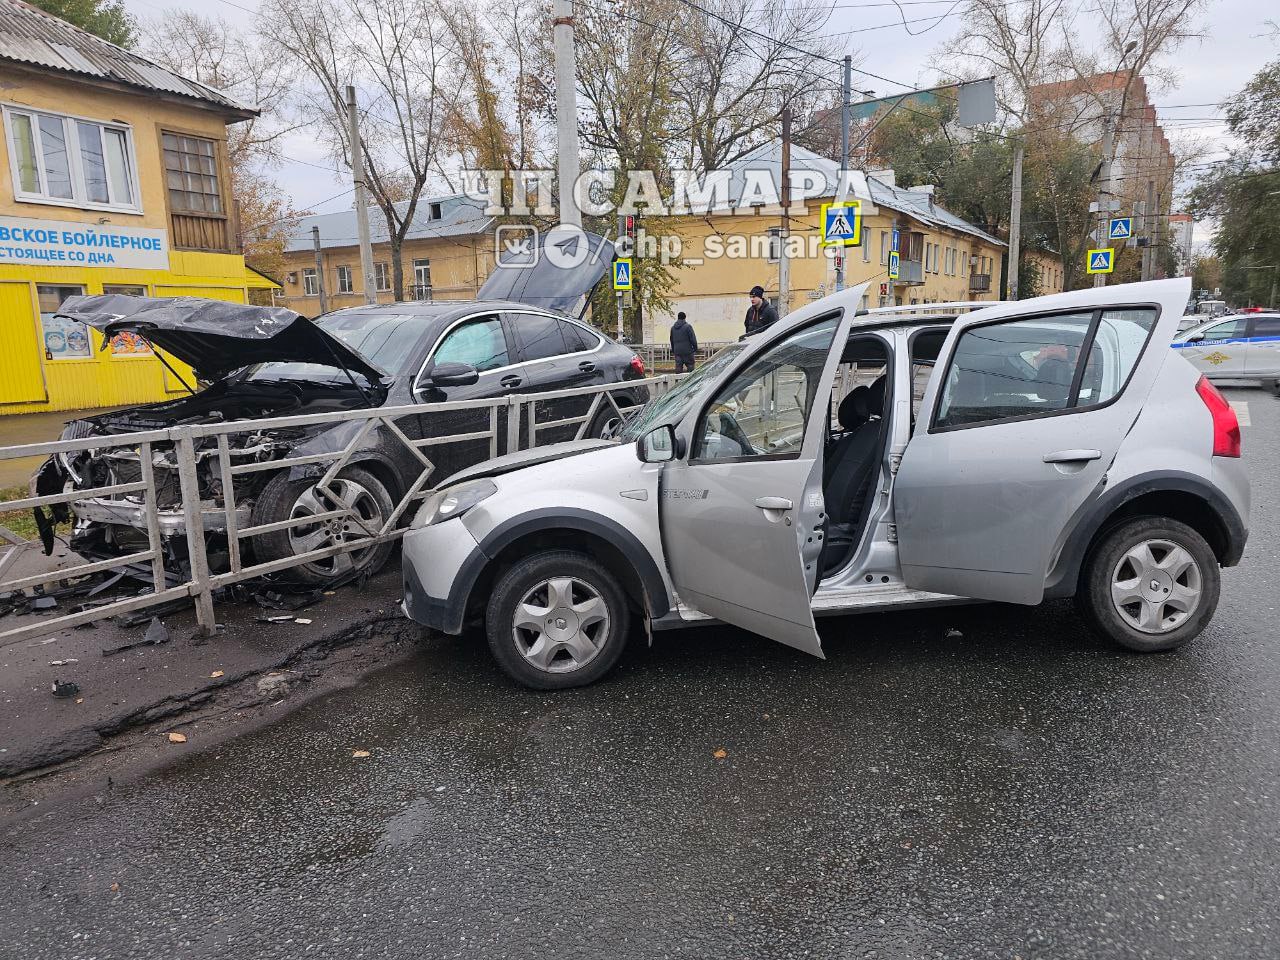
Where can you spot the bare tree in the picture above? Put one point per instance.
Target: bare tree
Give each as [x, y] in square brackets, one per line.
[399, 56]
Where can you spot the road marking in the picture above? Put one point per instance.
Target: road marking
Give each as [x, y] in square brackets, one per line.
[1241, 407]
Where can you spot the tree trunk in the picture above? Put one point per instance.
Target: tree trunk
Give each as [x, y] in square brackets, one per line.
[397, 268]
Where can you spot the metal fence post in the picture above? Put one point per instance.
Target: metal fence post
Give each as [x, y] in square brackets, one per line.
[202, 590]
[513, 424]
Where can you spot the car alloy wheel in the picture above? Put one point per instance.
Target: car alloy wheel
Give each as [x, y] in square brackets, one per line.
[561, 624]
[1156, 585]
[365, 520]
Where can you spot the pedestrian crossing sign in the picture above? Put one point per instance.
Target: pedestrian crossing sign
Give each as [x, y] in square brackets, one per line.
[622, 274]
[1101, 261]
[894, 262]
[1121, 228]
[842, 224]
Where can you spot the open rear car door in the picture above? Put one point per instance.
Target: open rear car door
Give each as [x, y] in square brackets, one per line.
[1024, 413]
[742, 515]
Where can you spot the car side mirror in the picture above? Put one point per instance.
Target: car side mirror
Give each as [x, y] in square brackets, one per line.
[659, 445]
[449, 374]
[1198, 338]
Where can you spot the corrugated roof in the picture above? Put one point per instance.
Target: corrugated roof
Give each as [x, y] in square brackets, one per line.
[30, 36]
[459, 216]
[767, 158]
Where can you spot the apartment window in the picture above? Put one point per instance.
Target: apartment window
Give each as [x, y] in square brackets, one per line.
[71, 161]
[382, 275]
[310, 283]
[866, 249]
[884, 247]
[344, 280]
[774, 253]
[191, 173]
[422, 279]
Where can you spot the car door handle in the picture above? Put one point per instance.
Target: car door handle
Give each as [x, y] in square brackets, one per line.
[586, 366]
[510, 380]
[773, 503]
[1072, 456]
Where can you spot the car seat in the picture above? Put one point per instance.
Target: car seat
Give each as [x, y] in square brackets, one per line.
[852, 459]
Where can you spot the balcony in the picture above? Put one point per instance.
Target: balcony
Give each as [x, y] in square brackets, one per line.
[910, 272]
[418, 291]
[979, 282]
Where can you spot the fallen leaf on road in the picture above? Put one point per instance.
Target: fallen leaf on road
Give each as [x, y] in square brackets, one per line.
[721, 753]
[115, 888]
[302, 620]
[81, 700]
[177, 738]
[215, 675]
[359, 754]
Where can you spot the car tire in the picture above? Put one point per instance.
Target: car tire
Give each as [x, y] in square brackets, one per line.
[526, 621]
[606, 424]
[1151, 584]
[284, 499]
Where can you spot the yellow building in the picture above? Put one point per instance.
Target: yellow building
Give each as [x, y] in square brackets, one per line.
[113, 179]
[1048, 272]
[446, 255]
[941, 257]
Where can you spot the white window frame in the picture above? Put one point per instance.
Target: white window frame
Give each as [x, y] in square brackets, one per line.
[866, 247]
[309, 273]
[773, 249]
[382, 276]
[71, 131]
[424, 262]
[346, 279]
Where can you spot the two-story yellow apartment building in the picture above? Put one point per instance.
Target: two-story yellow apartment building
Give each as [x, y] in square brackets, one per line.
[113, 179]
[941, 257]
[446, 255]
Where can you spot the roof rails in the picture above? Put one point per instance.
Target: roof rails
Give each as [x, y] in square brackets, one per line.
[913, 309]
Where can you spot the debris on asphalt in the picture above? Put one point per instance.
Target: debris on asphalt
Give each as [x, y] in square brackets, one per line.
[954, 634]
[44, 603]
[359, 754]
[216, 674]
[303, 620]
[273, 684]
[63, 663]
[177, 738]
[720, 753]
[156, 634]
[64, 689]
[280, 600]
[284, 618]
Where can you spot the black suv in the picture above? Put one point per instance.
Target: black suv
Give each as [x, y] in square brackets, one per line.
[259, 362]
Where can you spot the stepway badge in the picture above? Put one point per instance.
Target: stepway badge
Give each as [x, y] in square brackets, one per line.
[894, 259]
[1101, 261]
[842, 224]
[622, 274]
[1121, 228]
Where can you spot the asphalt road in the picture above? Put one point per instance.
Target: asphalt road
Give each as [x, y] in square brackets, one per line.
[1020, 791]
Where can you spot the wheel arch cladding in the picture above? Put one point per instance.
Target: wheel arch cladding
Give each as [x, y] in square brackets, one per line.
[617, 549]
[1178, 496]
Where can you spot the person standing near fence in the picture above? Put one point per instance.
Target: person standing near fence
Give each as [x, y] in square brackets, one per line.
[760, 315]
[684, 343]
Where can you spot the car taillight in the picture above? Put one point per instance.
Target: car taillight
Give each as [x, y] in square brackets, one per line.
[1226, 428]
[637, 365]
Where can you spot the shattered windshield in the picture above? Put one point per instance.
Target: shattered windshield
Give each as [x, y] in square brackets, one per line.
[386, 340]
[672, 406]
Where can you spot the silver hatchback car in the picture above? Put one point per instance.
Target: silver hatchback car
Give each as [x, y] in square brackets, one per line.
[837, 463]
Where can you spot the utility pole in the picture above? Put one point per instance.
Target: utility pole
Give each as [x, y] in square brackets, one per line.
[1148, 222]
[844, 150]
[315, 241]
[784, 264]
[1015, 221]
[566, 110]
[1104, 186]
[362, 198]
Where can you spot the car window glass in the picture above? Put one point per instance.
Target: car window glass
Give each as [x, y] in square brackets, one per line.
[762, 411]
[1117, 344]
[539, 337]
[1012, 369]
[479, 343]
[1226, 331]
[671, 407]
[387, 340]
[576, 338]
[925, 347]
[1266, 326]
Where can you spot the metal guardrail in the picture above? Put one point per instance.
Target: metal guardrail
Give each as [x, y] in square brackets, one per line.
[655, 354]
[516, 416]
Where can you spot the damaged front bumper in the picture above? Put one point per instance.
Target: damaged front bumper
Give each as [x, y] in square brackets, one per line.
[171, 522]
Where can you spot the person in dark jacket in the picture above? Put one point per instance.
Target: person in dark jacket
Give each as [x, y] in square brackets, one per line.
[760, 315]
[684, 343]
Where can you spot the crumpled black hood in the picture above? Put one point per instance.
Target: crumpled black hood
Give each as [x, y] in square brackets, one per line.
[553, 280]
[214, 337]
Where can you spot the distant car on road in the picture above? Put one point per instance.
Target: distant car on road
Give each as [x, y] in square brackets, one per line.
[1242, 346]
[1060, 449]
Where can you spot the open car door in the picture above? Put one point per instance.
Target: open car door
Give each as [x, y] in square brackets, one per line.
[1026, 409]
[742, 516]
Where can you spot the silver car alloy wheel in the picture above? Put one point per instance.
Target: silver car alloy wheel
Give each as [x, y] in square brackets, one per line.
[366, 518]
[561, 624]
[1156, 586]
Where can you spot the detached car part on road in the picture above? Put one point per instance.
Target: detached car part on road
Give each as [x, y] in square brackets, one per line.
[1058, 448]
[266, 362]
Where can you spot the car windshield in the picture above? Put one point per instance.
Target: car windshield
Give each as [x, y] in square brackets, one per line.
[673, 405]
[384, 339]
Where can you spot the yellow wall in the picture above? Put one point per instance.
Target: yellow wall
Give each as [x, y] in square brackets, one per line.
[713, 290]
[29, 381]
[459, 266]
[1050, 271]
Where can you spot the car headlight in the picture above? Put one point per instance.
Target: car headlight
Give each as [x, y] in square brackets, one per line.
[453, 502]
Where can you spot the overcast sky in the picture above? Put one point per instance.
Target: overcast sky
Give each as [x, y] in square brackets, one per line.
[1211, 71]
